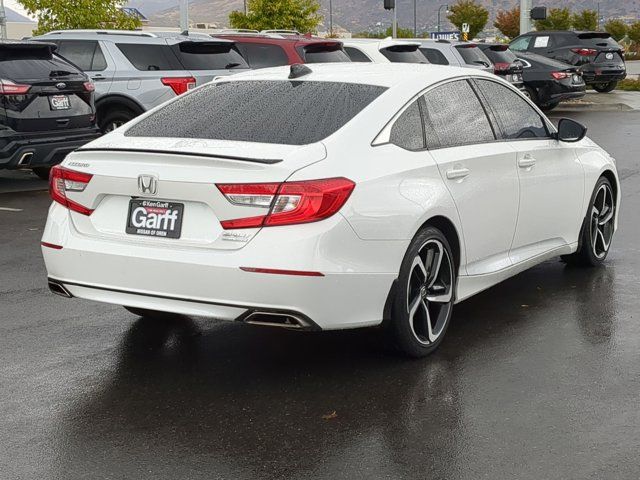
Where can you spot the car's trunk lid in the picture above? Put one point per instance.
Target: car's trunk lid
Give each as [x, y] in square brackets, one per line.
[184, 175]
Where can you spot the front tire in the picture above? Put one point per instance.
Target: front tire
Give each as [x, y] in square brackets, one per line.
[549, 106]
[605, 87]
[425, 295]
[597, 228]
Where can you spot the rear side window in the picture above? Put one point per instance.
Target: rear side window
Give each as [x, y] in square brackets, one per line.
[454, 116]
[472, 55]
[404, 54]
[262, 55]
[323, 54]
[268, 111]
[408, 132]
[356, 55]
[518, 120]
[500, 55]
[85, 54]
[147, 57]
[435, 56]
[208, 56]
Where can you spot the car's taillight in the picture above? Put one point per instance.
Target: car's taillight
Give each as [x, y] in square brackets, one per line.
[288, 203]
[584, 52]
[63, 180]
[501, 66]
[7, 87]
[560, 75]
[179, 84]
[89, 86]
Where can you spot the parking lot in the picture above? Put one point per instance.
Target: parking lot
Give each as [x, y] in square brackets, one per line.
[537, 378]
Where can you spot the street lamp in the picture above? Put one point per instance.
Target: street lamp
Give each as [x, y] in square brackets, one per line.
[439, 9]
[330, 18]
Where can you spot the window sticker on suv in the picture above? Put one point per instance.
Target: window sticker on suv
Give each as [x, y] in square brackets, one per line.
[541, 42]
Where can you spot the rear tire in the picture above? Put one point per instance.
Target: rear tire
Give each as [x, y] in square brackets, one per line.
[424, 298]
[42, 172]
[549, 107]
[605, 87]
[531, 93]
[597, 228]
[114, 118]
[145, 313]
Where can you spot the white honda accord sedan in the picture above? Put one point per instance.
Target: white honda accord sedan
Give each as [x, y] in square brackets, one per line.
[328, 197]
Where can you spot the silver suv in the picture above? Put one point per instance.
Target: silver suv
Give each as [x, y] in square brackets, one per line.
[456, 53]
[134, 71]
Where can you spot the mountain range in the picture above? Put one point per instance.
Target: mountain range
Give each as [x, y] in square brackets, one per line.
[361, 15]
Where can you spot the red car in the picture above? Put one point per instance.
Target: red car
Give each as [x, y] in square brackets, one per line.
[262, 50]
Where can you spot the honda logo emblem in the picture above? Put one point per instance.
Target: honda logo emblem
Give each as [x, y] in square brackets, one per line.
[148, 184]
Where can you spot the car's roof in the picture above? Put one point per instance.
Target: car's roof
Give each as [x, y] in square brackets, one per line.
[382, 74]
[128, 36]
[380, 42]
[442, 41]
[274, 38]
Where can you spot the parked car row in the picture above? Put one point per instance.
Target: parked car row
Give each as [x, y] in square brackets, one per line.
[134, 71]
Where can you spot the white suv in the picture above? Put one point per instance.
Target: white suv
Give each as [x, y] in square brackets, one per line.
[365, 50]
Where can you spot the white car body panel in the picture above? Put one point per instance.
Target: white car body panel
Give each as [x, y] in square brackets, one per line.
[371, 47]
[507, 218]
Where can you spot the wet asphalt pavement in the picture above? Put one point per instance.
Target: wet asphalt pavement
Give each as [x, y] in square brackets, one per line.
[538, 378]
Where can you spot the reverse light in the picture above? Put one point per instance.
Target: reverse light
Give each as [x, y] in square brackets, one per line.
[584, 52]
[7, 87]
[63, 180]
[560, 75]
[89, 86]
[179, 85]
[289, 203]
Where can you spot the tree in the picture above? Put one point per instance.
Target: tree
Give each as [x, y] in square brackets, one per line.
[301, 15]
[468, 11]
[508, 22]
[557, 19]
[585, 20]
[634, 32]
[72, 14]
[617, 29]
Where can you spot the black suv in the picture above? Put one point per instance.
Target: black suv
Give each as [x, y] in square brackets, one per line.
[46, 107]
[596, 53]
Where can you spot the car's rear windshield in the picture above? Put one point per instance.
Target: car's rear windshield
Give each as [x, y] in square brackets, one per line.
[182, 56]
[500, 55]
[472, 55]
[597, 39]
[264, 111]
[404, 54]
[34, 64]
[323, 54]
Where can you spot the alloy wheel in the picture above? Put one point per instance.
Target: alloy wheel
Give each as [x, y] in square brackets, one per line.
[430, 291]
[602, 219]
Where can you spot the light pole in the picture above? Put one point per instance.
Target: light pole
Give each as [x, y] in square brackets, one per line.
[330, 18]
[439, 9]
[415, 25]
[394, 32]
[245, 7]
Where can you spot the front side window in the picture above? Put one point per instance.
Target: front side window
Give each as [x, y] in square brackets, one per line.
[407, 132]
[262, 55]
[356, 55]
[520, 44]
[453, 116]
[264, 111]
[517, 119]
[434, 56]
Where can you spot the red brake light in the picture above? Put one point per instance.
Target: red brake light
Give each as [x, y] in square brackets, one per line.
[289, 203]
[501, 66]
[63, 180]
[89, 86]
[7, 87]
[584, 52]
[179, 84]
[560, 75]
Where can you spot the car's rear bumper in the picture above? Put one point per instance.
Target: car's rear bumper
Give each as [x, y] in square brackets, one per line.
[211, 283]
[41, 149]
[603, 76]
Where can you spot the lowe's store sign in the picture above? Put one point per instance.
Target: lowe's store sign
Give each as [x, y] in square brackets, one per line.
[445, 35]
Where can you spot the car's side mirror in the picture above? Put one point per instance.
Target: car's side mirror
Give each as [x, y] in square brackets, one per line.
[570, 130]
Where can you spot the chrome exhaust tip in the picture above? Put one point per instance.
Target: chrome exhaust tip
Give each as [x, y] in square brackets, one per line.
[276, 319]
[59, 289]
[25, 159]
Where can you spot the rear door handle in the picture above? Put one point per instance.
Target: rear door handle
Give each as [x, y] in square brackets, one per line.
[457, 173]
[527, 161]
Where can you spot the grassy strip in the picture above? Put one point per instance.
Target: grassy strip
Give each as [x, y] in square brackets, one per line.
[629, 85]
